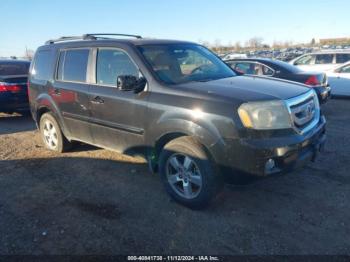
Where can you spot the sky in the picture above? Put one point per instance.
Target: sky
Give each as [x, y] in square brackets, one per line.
[29, 23]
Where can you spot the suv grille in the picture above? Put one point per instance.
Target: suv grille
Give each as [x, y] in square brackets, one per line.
[304, 111]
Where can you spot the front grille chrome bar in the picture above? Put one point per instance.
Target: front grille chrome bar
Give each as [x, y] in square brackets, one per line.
[304, 111]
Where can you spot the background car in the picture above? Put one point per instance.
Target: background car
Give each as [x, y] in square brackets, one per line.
[13, 86]
[279, 69]
[339, 79]
[321, 61]
[234, 55]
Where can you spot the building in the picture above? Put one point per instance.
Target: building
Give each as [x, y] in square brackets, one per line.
[335, 41]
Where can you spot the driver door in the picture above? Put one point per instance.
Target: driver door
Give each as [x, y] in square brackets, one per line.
[117, 116]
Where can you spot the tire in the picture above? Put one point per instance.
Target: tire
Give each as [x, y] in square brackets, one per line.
[195, 181]
[52, 135]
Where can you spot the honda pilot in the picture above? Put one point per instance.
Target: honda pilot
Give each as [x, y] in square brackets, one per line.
[176, 103]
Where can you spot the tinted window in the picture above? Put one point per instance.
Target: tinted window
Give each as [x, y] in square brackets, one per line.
[42, 66]
[342, 58]
[324, 59]
[247, 68]
[345, 69]
[266, 71]
[14, 68]
[181, 63]
[305, 60]
[112, 63]
[73, 65]
[60, 65]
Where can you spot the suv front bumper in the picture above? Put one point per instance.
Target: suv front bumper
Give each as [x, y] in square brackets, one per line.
[266, 156]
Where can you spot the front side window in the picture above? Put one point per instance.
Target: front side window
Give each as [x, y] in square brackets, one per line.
[181, 63]
[112, 63]
[42, 65]
[324, 59]
[345, 69]
[72, 65]
[342, 58]
[305, 60]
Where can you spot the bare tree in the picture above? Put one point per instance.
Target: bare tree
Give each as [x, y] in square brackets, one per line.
[255, 42]
[238, 46]
[313, 42]
[217, 45]
[29, 53]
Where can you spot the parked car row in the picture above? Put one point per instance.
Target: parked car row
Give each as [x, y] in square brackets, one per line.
[324, 71]
[282, 70]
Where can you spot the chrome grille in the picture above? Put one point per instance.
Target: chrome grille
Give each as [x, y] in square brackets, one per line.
[304, 111]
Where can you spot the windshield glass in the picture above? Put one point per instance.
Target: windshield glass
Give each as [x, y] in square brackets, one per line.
[182, 63]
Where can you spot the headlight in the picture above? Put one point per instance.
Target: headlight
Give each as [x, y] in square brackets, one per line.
[265, 115]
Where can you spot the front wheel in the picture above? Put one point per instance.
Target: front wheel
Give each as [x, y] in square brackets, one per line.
[188, 173]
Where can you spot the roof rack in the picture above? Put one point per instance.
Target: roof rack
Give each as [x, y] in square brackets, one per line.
[88, 37]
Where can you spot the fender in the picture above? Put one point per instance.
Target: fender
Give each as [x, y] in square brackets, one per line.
[188, 122]
[46, 101]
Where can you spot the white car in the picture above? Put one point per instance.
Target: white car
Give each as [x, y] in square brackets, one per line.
[321, 61]
[234, 56]
[339, 80]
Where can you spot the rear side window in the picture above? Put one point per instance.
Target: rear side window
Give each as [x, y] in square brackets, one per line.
[42, 69]
[342, 58]
[266, 71]
[345, 69]
[247, 68]
[324, 59]
[72, 65]
[14, 68]
[112, 63]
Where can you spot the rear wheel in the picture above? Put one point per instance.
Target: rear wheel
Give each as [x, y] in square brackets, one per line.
[188, 173]
[52, 135]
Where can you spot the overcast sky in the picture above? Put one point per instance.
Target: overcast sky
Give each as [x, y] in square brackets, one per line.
[31, 23]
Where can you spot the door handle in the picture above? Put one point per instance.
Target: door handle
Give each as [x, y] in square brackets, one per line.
[57, 92]
[97, 100]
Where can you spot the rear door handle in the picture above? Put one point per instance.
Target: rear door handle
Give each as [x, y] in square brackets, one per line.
[97, 100]
[57, 92]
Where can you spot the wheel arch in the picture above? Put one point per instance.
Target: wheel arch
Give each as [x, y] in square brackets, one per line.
[46, 104]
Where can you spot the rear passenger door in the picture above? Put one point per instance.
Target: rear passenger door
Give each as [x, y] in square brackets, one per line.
[117, 116]
[70, 91]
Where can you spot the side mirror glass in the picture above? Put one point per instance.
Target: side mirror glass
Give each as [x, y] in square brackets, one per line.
[130, 83]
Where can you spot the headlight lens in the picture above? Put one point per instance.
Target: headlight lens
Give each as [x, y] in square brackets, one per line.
[265, 115]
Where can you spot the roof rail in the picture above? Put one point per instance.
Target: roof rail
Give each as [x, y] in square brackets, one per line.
[100, 34]
[87, 37]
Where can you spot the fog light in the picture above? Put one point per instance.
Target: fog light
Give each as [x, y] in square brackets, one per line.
[269, 166]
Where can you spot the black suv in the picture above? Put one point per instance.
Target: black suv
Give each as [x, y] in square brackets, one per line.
[176, 103]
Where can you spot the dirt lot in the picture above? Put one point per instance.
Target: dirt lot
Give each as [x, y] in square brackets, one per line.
[93, 201]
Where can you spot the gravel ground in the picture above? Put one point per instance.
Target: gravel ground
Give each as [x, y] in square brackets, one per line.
[93, 201]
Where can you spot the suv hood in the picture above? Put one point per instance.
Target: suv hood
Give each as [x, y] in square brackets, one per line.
[248, 88]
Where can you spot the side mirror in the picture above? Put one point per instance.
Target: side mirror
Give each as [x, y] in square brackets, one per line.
[130, 82]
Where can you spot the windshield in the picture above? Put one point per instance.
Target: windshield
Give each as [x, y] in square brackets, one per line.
[182, 63]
